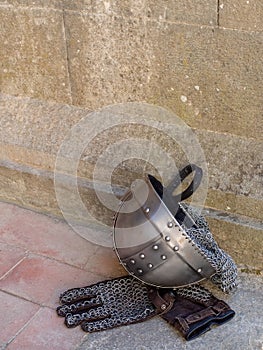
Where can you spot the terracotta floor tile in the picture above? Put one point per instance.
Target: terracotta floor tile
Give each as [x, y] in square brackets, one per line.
[41, 280]
[9, 256]
[45, 235]
[106, 263]
[14, 314]
[47, 331]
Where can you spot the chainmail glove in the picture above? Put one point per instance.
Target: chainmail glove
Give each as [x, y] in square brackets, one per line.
[194, 310]
[125, 300]
[107, 304]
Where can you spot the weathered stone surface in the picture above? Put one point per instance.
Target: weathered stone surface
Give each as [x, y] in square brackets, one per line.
[198, 72]
[30, 191]
[32, 132]
[127, 8]
[186, 11]
[34, 3]
[37, 192]
[234, 203]
[235, 163]
[191, 70]
[243, 243]
[35, 124]
[239, 103]
[28, 157]
[33, 54]
[109, 58]
[244, 15]
[201, 74]
[94, 53]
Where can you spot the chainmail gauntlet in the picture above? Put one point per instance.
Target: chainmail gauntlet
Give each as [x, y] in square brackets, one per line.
[125, 300]
[106, 304]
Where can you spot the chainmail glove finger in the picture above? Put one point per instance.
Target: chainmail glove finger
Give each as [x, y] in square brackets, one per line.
[106, 304]
[194, 310]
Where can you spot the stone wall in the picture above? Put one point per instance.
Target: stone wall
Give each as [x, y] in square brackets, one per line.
[203, 60]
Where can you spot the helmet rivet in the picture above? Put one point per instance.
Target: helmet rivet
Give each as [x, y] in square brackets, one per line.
[167, 238]
[132, 261]
[163, 257]
[163, 307]
[170, 224]
[147, 210]
[140, 271]
[176, 248]
[150, 266]
[142, 256]
[199, 270]
[155, 247]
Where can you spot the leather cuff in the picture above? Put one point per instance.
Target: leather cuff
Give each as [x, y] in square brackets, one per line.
[196, 328]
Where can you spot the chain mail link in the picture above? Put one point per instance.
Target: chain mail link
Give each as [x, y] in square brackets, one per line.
[118, 302]
[226, 270]
[195, 292]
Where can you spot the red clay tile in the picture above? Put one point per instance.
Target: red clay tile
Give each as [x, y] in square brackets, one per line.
[9, 256]
[15, 313]
[47, 331]
[105, 262]
[41, 280]
[45, 235]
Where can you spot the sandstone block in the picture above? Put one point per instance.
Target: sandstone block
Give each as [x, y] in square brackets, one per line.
[33, 131]
[244, 15]
[110, 59]
[211, 78]
[241, 242]
[33, 54]
[186, 11]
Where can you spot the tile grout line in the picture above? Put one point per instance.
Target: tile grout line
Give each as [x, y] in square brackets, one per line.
[91, 256]
[23, 298]
[62, 262]
[21, 329]
[29, 253]
[14, 266]
[41, 305]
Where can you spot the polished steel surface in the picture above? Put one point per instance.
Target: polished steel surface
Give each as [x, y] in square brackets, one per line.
[152, 245]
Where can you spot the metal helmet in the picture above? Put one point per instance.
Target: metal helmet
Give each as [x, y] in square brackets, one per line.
[150, 238]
